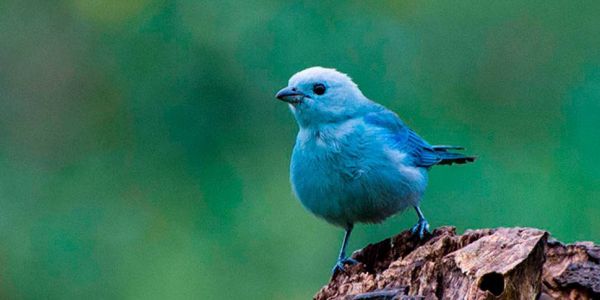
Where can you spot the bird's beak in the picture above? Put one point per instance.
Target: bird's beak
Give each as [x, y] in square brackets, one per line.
[290, 95]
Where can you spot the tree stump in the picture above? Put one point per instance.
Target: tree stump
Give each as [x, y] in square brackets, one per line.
[503, 263]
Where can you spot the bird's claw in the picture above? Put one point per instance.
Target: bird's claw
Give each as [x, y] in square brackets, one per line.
[421, 228]
[339, 265]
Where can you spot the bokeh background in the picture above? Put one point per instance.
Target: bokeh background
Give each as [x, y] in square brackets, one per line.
[143, 155]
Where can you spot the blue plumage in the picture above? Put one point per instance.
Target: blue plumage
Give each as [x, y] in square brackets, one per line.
[355, 160]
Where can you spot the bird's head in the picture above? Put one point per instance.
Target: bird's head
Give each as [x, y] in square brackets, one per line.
[320, 95]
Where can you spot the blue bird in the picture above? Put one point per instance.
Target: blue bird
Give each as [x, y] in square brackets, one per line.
[354, 160]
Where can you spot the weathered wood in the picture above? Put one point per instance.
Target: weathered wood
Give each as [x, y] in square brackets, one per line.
[503, 263]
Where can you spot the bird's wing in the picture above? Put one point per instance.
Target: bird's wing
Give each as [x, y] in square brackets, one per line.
[421, 153]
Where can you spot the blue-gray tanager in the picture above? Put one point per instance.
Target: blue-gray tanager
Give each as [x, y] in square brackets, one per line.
[355, 160]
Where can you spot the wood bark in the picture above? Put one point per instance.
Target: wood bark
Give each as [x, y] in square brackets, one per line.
[503, 263]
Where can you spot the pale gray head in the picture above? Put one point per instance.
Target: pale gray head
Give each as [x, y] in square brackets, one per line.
[320, 95]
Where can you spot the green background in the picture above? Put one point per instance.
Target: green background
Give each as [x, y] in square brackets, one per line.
[143, 155]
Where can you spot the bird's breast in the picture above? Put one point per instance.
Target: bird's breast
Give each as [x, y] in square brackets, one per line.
[348, 173]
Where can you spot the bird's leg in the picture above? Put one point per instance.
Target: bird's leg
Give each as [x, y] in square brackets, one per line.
[342, 259]
[422, 225]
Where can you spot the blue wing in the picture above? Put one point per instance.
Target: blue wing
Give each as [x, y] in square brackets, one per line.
[422, 154]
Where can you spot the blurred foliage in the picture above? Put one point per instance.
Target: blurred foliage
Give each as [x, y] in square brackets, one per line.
[144, 156]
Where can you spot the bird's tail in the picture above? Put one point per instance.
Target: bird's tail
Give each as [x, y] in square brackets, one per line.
[449, 158]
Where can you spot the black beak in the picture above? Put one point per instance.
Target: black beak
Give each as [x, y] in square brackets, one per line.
[290, 95]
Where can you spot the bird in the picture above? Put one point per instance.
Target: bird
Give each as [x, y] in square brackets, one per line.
[354, 160]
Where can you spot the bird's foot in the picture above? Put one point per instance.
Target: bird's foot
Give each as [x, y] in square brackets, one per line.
[339, 265]
[421, 228]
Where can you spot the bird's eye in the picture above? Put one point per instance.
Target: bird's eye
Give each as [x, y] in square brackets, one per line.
[319, 89]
